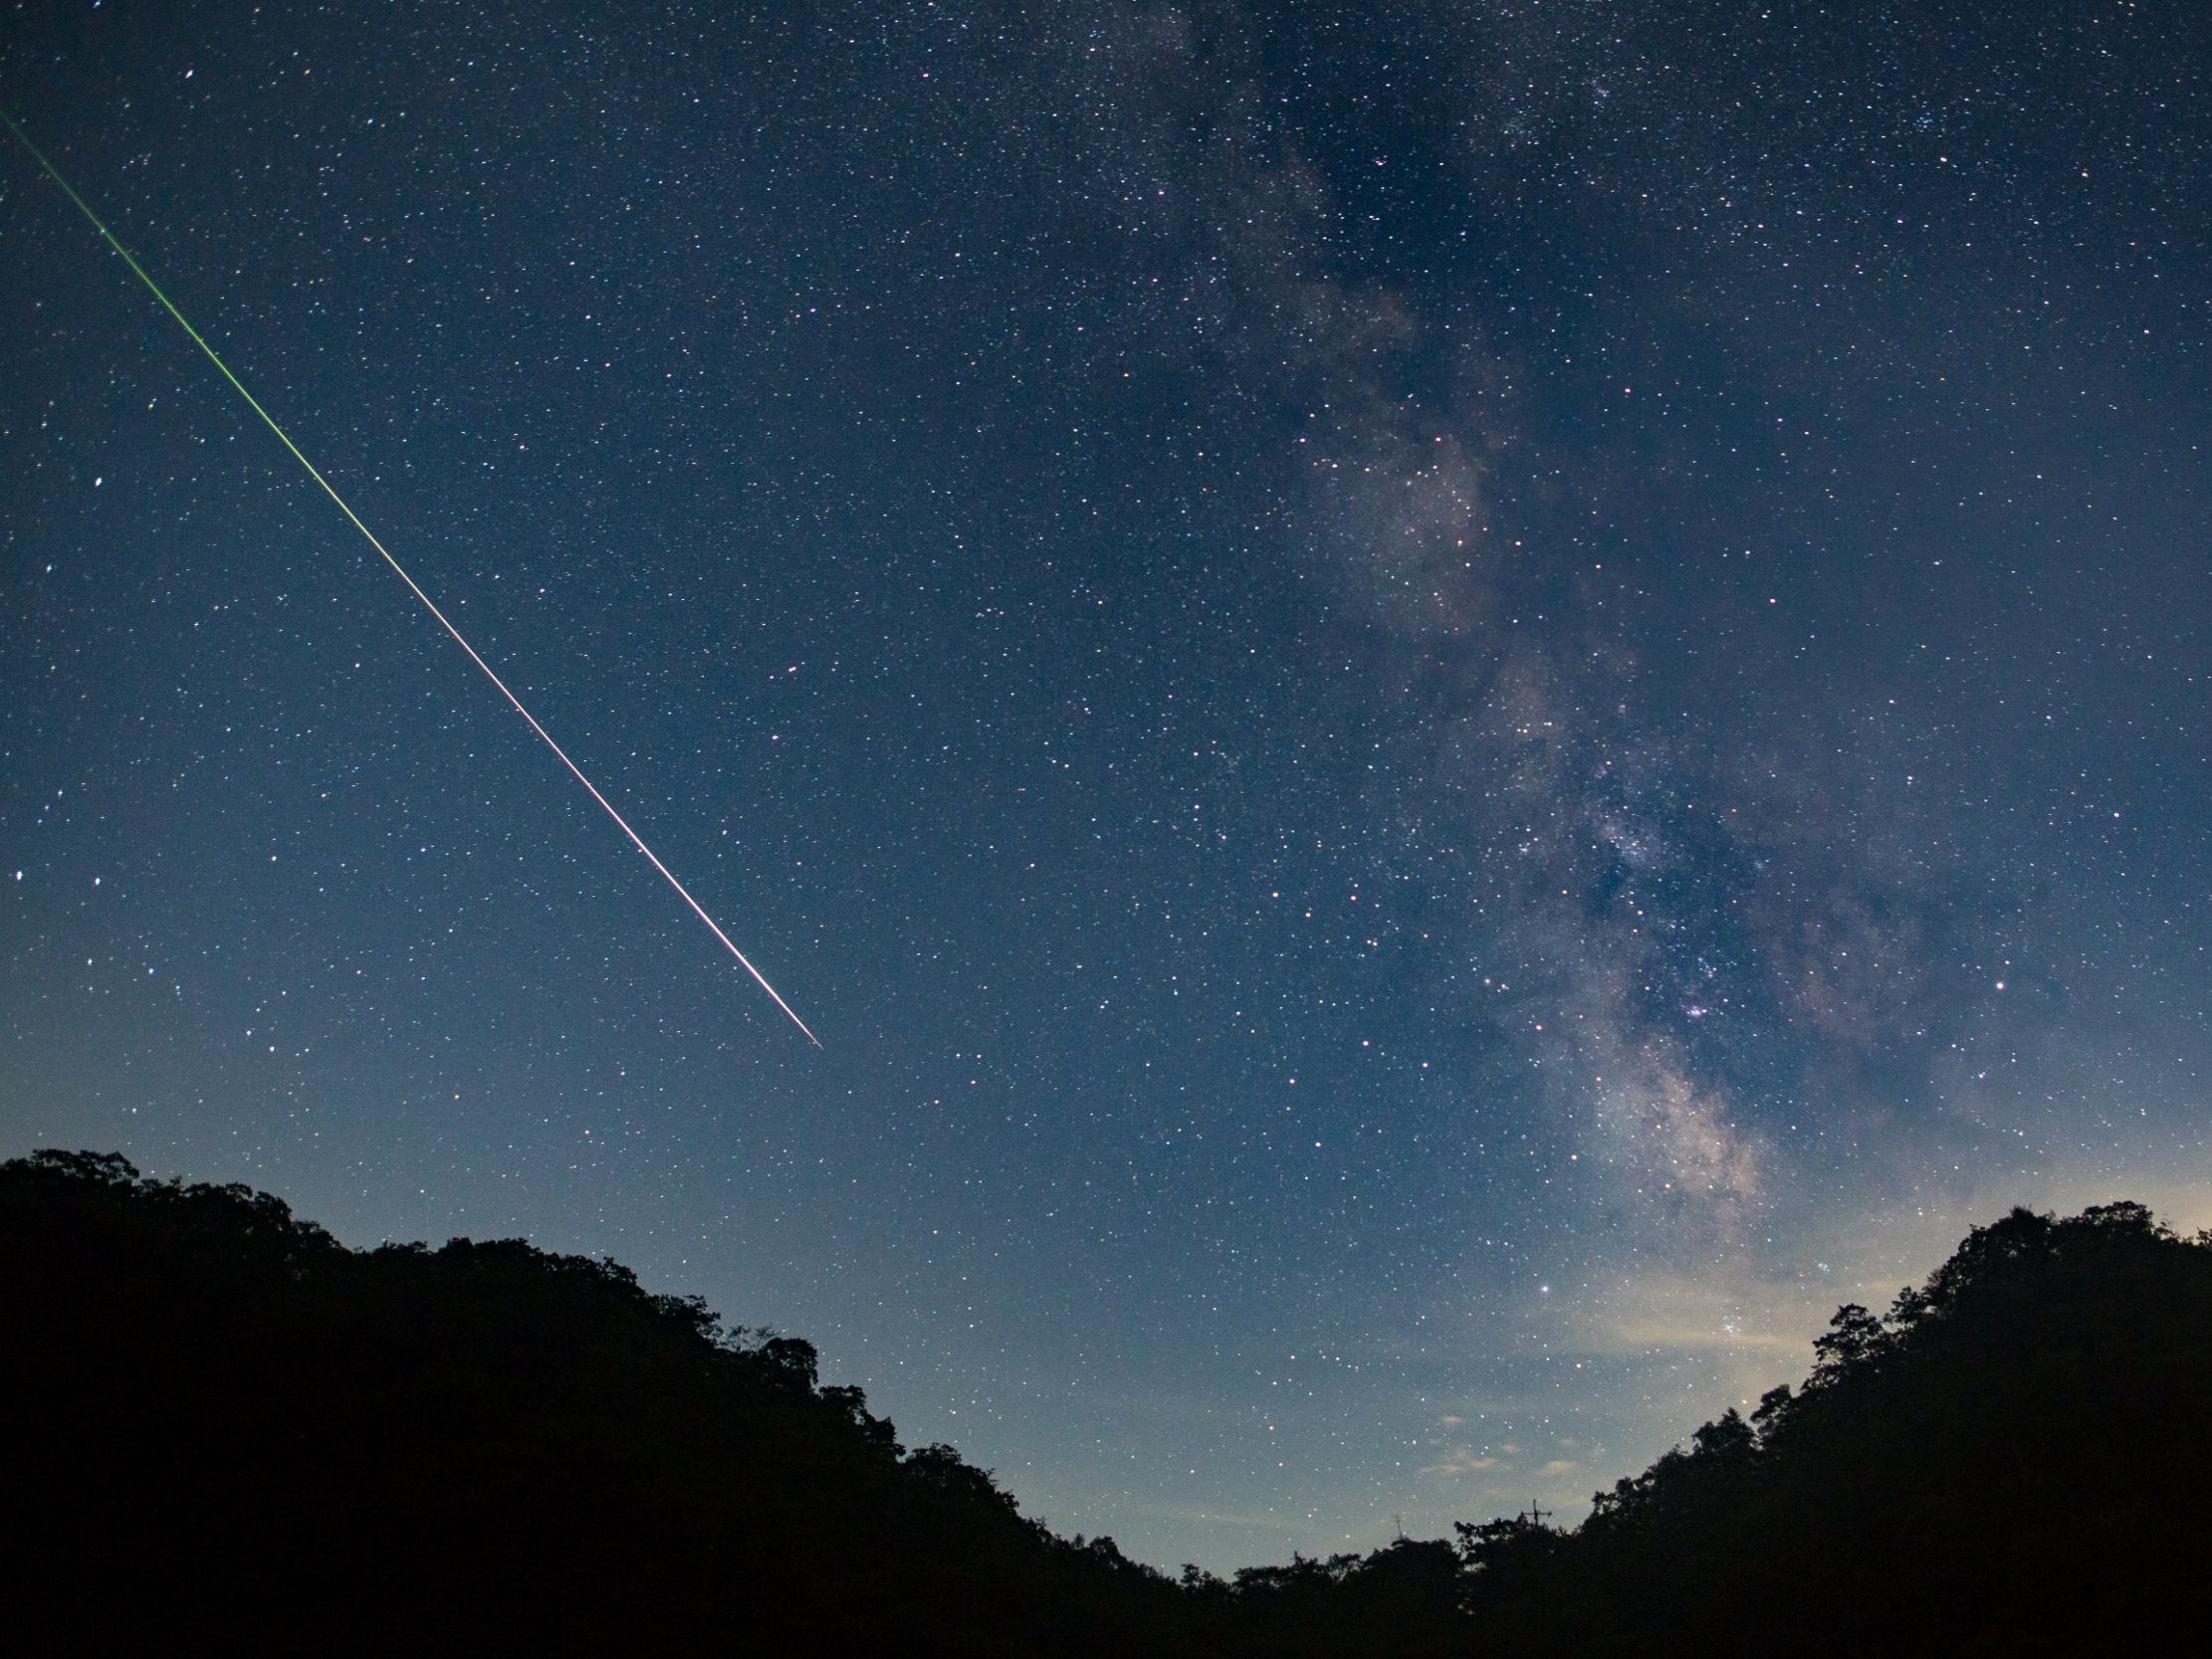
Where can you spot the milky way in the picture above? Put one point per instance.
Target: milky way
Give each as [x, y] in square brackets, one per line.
[1449, 713]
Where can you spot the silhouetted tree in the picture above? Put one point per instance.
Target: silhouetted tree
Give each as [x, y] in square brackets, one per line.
[2009, 1459]
[226, 1425]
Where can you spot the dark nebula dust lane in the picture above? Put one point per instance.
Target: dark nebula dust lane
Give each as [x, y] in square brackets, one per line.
[1451, 712]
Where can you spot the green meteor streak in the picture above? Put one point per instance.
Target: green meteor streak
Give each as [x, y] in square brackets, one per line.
[53, 172]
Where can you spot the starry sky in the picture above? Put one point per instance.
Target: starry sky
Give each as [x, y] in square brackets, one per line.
[1449, 711]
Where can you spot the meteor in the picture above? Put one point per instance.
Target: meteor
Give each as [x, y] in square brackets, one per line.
[353, 519]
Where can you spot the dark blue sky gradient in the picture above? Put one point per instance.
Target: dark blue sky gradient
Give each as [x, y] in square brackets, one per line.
[1449, 712]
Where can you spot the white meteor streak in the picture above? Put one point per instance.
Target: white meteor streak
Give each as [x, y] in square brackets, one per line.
[352, 517]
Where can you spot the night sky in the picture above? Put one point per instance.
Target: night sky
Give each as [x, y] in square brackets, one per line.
[1449, 711]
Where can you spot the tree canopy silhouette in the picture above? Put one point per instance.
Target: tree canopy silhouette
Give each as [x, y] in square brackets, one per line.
[226, 1425]
[2013, 1458]
[224, 1421]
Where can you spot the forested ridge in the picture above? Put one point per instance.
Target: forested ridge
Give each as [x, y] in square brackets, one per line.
[224, 1423]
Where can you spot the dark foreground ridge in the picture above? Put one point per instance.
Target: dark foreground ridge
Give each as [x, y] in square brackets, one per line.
[225, 1427]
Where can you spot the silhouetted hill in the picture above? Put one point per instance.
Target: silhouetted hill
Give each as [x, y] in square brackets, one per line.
[225, 1427]
[2016, 1458]
[224, 1422]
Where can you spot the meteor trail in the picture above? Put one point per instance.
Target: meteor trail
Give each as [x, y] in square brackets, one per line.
[352, 517]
